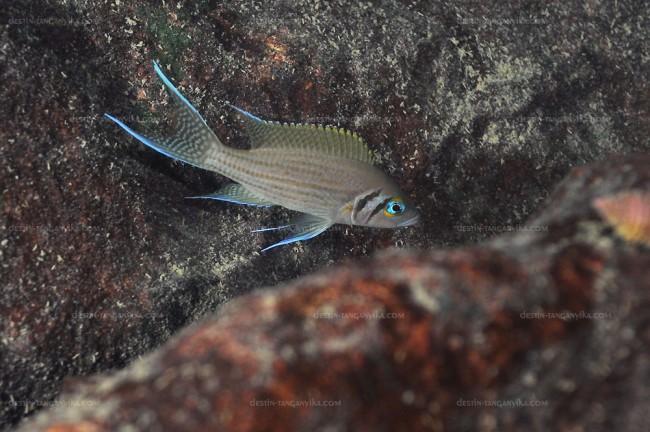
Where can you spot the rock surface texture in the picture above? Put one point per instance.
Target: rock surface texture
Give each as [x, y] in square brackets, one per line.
[476, 108]
[540, 330]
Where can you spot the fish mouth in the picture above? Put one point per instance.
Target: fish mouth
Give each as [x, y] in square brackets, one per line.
[412, 221]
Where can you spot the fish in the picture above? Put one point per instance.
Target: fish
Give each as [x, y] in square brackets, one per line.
[327, 174]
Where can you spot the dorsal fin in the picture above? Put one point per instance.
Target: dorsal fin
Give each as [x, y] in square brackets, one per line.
[326, 139]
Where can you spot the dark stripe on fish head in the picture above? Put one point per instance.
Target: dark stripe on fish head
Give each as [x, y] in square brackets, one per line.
[365, 206]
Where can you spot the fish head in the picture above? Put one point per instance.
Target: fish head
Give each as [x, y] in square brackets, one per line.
[384, 207]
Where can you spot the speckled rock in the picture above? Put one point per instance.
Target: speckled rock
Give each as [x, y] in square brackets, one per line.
[477, 109]
[541, 329]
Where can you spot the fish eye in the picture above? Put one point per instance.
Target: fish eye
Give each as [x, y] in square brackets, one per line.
[395, 207]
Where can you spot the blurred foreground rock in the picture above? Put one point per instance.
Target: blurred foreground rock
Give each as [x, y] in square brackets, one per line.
[550, 325]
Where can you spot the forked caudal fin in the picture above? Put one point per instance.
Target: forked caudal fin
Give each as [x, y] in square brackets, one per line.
[192, 141]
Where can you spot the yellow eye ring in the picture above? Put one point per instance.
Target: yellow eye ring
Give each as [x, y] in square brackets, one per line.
[395, 207]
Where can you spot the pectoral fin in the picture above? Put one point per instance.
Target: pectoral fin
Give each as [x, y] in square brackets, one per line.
[236, 193]
[305, 227]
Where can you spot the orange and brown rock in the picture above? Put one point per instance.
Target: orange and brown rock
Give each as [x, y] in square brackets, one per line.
[539, 329]
[629, 213]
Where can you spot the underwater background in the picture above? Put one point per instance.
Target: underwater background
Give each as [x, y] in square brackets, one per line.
[520, 302]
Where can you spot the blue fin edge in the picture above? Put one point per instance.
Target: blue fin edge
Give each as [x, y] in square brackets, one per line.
[229, 200]
[246, 113]
[300, 237]
[146, 141]
[272, 229]
[171, 87]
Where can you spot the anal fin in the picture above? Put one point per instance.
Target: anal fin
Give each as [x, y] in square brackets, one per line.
[303, 228]
[238, 194]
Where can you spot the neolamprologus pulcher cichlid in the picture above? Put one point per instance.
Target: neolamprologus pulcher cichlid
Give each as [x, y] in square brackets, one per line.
[323, 172]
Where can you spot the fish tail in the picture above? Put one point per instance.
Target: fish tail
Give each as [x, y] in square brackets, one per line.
[191, 141]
